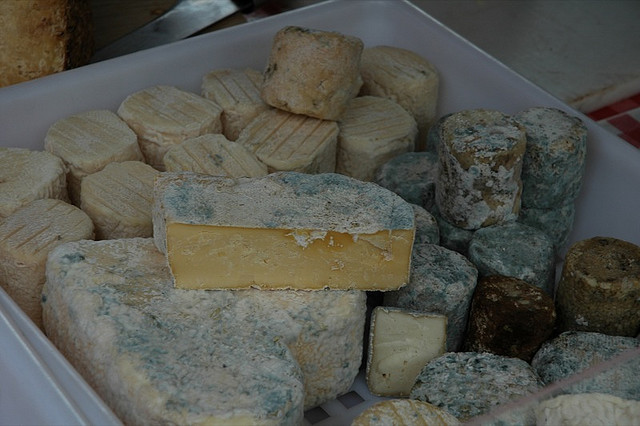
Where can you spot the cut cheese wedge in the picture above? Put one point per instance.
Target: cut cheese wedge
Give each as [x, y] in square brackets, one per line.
[401, 342]
[238, 94]
[214, 154]
[284, 230]
[87, 142]
[27, 175]
[118, 199]
[164, 116]
[292, 142]
[26, 238]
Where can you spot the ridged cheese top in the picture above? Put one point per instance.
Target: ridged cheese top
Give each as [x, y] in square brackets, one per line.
[283, 200]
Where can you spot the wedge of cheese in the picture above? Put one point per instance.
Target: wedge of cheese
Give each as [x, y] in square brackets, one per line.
[118, 199]
[160, 355]
[292, 142]
[26, 238]
[284, 230]
[27, 175]
[401, 342]
[87, 142]
[213, 154]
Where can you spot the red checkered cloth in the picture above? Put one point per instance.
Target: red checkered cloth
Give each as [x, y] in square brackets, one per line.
[621, 118]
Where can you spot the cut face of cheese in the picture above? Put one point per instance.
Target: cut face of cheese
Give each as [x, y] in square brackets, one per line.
[401, 343]
[161, 355]
[284, 230]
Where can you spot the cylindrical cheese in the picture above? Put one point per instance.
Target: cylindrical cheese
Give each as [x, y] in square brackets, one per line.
[509, 317]
[312, 72]
[479, 181]
[599, 289]
[373, 130]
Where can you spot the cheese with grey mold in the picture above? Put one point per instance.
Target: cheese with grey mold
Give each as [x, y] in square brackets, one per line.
[157, 354]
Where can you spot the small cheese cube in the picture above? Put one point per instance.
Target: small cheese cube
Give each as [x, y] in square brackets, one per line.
[401, 342]
[284, 230]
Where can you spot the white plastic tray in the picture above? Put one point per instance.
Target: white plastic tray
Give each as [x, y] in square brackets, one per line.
[608, 206]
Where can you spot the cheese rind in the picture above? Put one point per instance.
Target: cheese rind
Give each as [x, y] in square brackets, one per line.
[284, 230]
[401, 342]
[404, 412]
[161, 355]
[588, 409]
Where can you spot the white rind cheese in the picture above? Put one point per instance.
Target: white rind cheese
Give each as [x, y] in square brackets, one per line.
[87, 142]
[160, 355]
[401, 342]
[27, 175]
[284, 230]
[404, 412]
[213, 154]
[163, 116]
[588, 409]
[26, 238]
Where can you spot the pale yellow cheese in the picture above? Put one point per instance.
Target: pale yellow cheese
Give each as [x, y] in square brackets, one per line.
[284, 230]
[401, 342]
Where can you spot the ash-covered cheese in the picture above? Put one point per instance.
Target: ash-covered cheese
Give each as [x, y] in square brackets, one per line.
[406, 78]
[509, 317]
[412, 176]
[515, 250]
[119, 198]
[451, 236]
[27, 175]
[599, 288]
[87, 142]
[312, 72]
[588, 409]
[401, 342]
[237, 92]
[284, 230]
[442, 281]
[26, 238]
[160, 355]
[372, 131]
[469, 384]
[554, 161]
[164, 116]
[404, 412]
[573, 352]
[213, 154]
[292, 142]
[427, 230]
[557, 223]
[479, 179]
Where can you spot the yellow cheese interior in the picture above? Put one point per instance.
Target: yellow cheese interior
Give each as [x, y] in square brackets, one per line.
[217, 257]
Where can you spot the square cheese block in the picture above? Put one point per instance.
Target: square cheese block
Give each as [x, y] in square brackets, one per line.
[401, 342]
[286, 230]
[160, 355]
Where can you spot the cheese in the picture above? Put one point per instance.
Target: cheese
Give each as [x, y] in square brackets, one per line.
[26, 238]
[118, 199]
[284, 230]
[292, 142]
[479, 179]
[442, 281]
[401, 342]
[588, 409]
[27, 175]
[160, 355]
[599, 288]
[213, 154]
[163, 116]
[372, 131]
[404, 412]
[515, 250]
[312, 72]
[87, 142]
[427, 230]
[238, 94]
[557, 223]
[406, 78]
[469, 384]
